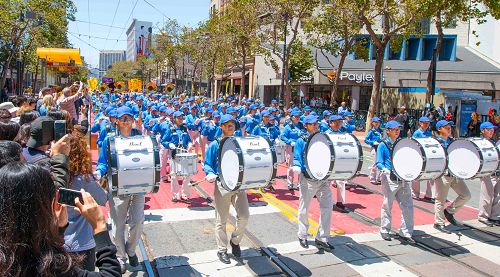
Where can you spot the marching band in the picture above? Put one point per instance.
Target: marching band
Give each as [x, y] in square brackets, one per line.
[240, 145]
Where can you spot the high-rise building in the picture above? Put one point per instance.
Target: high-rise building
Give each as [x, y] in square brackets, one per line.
[139, 39]
[107, 58]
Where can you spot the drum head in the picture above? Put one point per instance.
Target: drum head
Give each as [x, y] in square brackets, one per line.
[318, 157]
[463, 159]
[229, 164]
[407, 159]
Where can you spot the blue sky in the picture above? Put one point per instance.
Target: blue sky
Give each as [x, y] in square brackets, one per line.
[186, 12]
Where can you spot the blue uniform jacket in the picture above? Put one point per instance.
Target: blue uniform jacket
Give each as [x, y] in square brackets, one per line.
[421, 134]
[190, 123]
[292, 132]
[384, 155]
[267, 131]
[298, 152]
[374, 135]
[210, 165]
[102, 162]
[177, 136]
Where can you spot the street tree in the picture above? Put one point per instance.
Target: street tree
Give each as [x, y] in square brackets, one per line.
[285, 21]
[399, 20]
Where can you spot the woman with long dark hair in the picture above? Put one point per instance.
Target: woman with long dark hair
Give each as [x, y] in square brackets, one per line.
[32, 222]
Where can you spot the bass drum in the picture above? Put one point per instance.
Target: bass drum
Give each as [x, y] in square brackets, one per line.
[246, 163]
[331, 156]
[472, 158]
[134, 165]
[418, 159]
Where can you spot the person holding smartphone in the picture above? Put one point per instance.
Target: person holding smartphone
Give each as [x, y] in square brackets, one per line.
[28, 202]
[67, 101]
[124, 208]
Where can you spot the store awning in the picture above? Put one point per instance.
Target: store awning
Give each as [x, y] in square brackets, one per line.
[60, 56]
[232, 75]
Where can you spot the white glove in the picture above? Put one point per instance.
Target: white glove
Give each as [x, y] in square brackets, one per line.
[196, 121]
[386, 171]
[97, 175]
[190, 145]
[276, 141]
[296, 169]
[376, 143]
[292, 144]
[171, 146]
[211, 177]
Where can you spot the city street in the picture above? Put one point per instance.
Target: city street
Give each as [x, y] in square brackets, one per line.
[179, 238]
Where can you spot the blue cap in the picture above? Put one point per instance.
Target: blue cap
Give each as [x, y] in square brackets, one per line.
[307, 108]
[163, 109]
[234, 101]
[265, 113]
[193, 107]
[262, 106]
[139, 98]
[273, 109]
[424, 119]
[487, 125]
[375, 119]
[154, 109]
[231, 110]
[124, 111]
[191, 99]
[310, 119]
[176, 103]
[442, 123]
[110, 108]
[216, 114]
[226, 118]
[295, 113]
[170, 111]
[325, 113]
[184, 107]
[314, 113]
[150, 104]
[335, 117]
[178, 113]
[347, 113]
[112, 113]
[274, 101]
[209, 110]
[392, 124]
[272, 118]
[253, 107]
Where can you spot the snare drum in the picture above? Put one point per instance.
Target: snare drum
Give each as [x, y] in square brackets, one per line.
[472, 158]
[246, 163]
[418, 159]
[186, 164]
[331, 156]
[134, 165]
[280, 152]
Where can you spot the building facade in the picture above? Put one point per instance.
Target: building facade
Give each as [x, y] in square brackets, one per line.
[107, 58]
[139, 40]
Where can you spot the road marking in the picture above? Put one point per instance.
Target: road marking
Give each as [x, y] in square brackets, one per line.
[183, 214]
[291, 213]
[380, 266]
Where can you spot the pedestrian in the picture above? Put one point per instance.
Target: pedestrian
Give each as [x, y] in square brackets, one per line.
[310, 188]
[342, 109]
[489, 198]
[473, 129]
[393, 188]
[67, 101]
[444, 184]
[403, 119]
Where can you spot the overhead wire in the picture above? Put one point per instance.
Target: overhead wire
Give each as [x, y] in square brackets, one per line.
[112, 22]
[99, 24]
[77, 37]
[88, 13]
[114, 39]
[126, 22]
[158, 10]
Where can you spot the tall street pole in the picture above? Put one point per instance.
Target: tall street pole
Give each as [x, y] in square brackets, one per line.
[282, 90]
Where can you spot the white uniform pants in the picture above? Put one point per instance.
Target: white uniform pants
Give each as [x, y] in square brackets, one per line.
[308, 188]
[203, 146]
[401, 191]
[443, 185]
[195, 138]
[489, 198]
[340, 190]
[126, 209]
[289, 161]
[186, 188]
[430, 191]
[223, 202]
[374, 177]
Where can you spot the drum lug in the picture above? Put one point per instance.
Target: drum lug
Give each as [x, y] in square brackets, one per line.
[241, 168]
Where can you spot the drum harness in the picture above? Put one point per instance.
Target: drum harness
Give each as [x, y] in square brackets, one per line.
[442, 141]
[390, 146]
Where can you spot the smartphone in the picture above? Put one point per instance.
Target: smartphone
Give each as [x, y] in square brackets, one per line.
[68, 196]
[59, 129]
[47, 132]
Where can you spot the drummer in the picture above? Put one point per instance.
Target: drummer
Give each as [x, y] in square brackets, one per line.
[238, 128]
[310, 188]
[194, 126]
[177, 140]
[324, 124]
[423, 132]
[224, 199]
[124, 208]
[335, 127]
[393, 188]
[268, 131]
[289, 135]
[444, 183]
[373, 139]
[489, 198]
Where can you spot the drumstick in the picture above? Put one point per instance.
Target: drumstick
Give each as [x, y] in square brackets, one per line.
[197, 183]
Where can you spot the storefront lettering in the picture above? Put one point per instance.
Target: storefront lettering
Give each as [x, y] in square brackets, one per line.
[358, 78]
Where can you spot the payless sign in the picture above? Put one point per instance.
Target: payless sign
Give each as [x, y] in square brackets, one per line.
[358, 78]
